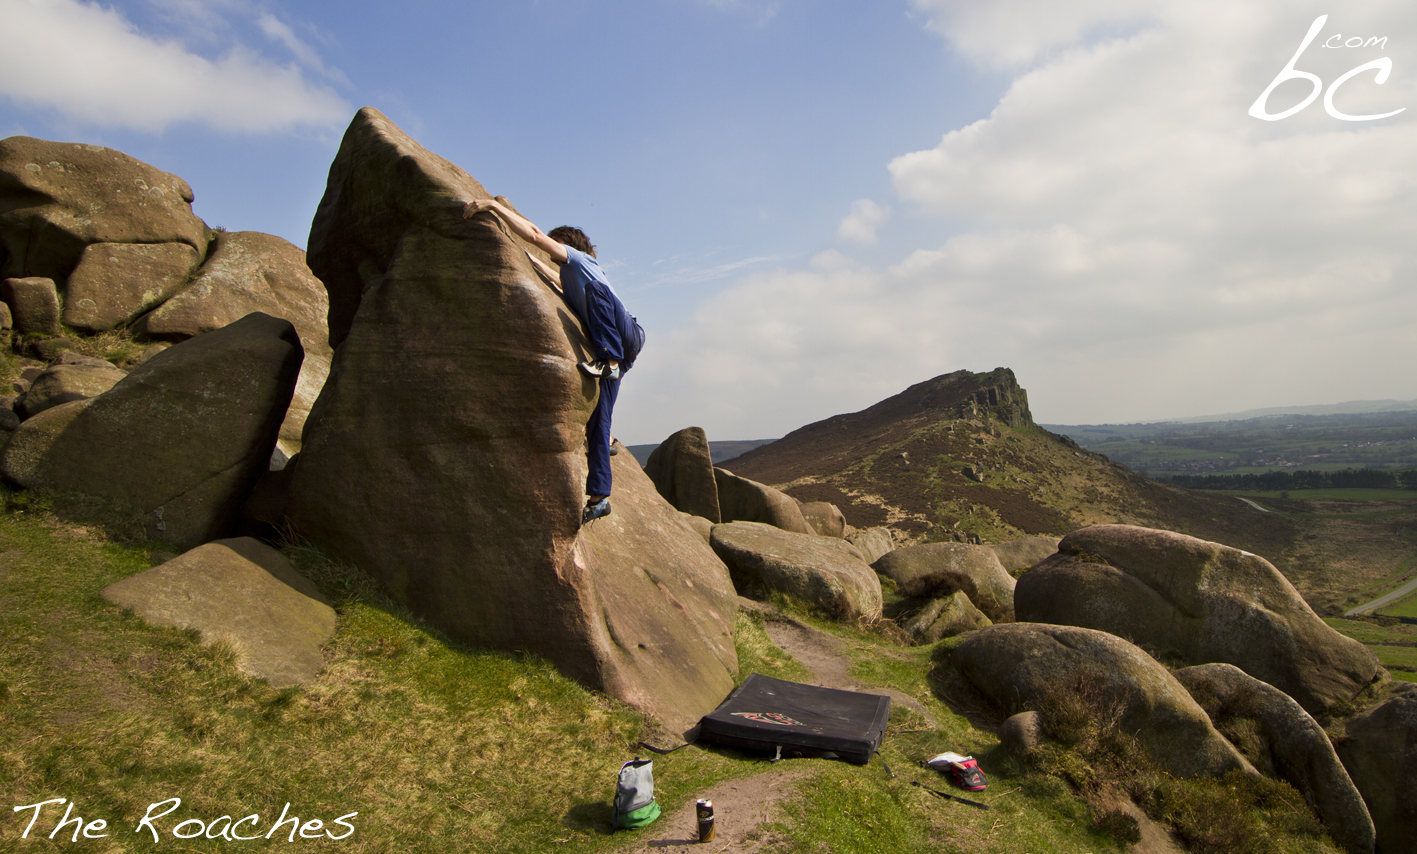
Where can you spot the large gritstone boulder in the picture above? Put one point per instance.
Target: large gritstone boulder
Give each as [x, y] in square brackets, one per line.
[56, 198]
[743, 500]
[1018, 555]
[245, 593]
[682, 471]
[446, 454]
[1379, 750]
[116, 282]
[1201, 602]
[183, 437]
[1281, 739]
[944, 618]
[823, 571]
[1023, 666]
[938, 569]
[249, 271]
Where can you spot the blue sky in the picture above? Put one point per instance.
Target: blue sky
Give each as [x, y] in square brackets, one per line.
[812, 205]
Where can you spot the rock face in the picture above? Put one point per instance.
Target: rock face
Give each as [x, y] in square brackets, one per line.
[1380, 753]
[1200, 601]
[1018, 555]
[56, 198]
[183, 437]
[944, 618]
[1291, 746]
[682, 471]
[116, 282]
[249, 271]
[743, 500]
[446, 454]
[1026, 665]
[245, 593]
[822, 571]
[939, 569]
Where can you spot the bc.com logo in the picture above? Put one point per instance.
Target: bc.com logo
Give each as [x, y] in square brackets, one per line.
[1382, 65]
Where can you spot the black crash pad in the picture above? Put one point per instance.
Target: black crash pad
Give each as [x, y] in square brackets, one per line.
[803, 720]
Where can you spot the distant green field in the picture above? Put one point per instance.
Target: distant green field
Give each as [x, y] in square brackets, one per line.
[1401, 661]
[1399, 658]
[1340, 494]
[1405, 608]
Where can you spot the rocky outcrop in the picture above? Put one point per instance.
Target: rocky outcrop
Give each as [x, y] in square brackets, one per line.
[682, 471]
[743, 500]
[1285, 742]
[821, 571]
[115, 282]
[57, 198]
[1201, 602]
[244, 593]
[70, 377]
[446, 454]
[182, 438]
[1379, 749]
[249, 271]
[824, 518]
[1025, 666]
[936, 570]
[874, 543]
[944, 618]
[1018, 555]
[34, 304]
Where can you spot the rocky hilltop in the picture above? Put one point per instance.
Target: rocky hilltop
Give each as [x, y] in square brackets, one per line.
[959, 457]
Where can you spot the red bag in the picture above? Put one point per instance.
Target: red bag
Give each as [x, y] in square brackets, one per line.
[965, 772]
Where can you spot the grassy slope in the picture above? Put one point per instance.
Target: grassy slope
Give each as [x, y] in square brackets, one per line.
[437, 747]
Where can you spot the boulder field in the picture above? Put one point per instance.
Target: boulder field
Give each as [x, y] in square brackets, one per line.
[1199, 601]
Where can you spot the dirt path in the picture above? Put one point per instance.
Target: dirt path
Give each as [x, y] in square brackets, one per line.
[741, 808]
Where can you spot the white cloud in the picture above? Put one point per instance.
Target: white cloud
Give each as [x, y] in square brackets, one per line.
[860, 225]
[91, 64]
[1119, 231]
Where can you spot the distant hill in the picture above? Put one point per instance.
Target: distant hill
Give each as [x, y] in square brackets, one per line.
[718, 451]
[959, 457]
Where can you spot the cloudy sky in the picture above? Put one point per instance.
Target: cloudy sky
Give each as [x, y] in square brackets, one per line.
[812, 204]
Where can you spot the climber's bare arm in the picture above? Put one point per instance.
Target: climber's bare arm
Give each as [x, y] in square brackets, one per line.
[520, 226]
[548, 272]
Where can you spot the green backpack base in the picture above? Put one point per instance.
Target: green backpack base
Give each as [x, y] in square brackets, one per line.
[635, 806]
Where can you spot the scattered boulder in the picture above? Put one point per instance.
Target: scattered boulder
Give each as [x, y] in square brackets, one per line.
[874, 543]
[743, 500]
[1200, 602]
[7, 325]
[945, 618]
[34, 303]
[1022, 734]
[682, 471]
[822, 571]
[1023, 666]
[56, 198]
[1379, 750]
[242, 592]
[1287, 744]
[71, 377]
[825, 519]
[249, 271]
[116, 282]
[939, 569]
[446, 454]
[183, 437]
[1018, 555]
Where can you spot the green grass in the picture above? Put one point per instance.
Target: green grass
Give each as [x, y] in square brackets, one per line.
[1404, 608]
[1337, 494]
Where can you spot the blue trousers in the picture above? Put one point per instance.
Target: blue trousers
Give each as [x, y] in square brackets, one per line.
[597, 439]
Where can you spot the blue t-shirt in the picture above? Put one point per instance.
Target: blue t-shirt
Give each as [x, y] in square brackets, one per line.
[582, 274]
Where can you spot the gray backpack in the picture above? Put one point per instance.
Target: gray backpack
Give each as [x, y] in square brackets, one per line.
[634, 795]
